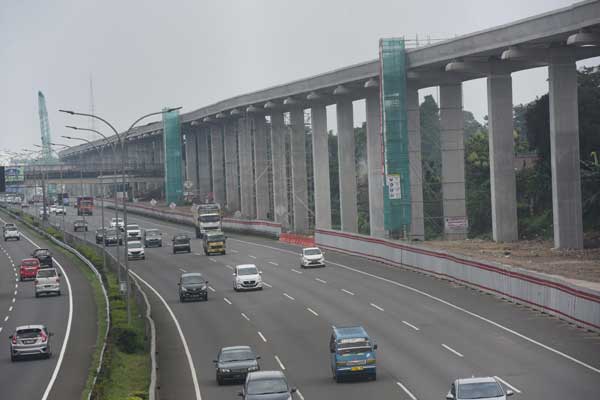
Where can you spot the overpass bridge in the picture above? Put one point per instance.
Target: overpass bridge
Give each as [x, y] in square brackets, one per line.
[249, 152]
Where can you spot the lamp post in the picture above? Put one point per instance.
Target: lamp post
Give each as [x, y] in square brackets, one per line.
[122, 139]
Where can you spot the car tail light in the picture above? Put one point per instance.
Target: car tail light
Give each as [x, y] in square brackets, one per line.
[14, 339]
[43, 336]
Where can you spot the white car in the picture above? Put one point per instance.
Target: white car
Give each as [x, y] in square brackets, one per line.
[52, 208]
[134, 232]
[11, 232]
[60, 210]
[114, 223]
[247, 277]
[312, 257]
[135, 250]
[47, 281]
[487, 388]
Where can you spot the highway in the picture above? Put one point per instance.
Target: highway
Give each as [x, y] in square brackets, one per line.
[71, 317]
[429, 331]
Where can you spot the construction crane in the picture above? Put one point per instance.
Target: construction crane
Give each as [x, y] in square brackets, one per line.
[45, 129]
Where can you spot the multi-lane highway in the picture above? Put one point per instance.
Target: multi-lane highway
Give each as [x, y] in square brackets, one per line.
[429, 331]
[71, 317]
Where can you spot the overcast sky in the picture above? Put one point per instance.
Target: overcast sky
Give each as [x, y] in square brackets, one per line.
[147, 54]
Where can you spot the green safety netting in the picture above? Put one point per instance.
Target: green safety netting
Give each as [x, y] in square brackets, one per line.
[397, 204]
[173, 157]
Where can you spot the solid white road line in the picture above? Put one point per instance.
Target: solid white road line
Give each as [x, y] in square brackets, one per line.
[233, 251]
[212, 289]
[376, 306]
[411, 325]
[312, 311]
[412, 396]
[450, 349]
[227, 300]
[212, 259]
[280, 363]
[197, 254]
[514, 389]
[273, 263]
[296, 271]
[348, 292]
[267, 285]
[181, 336]
[245, 317]
[288, 296]
[229, 266]
[320, 280]
[299, 394]
[251, 256]
[264, 339]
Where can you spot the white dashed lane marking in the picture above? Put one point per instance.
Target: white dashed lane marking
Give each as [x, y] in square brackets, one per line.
[280, 363]
[514, 389]
[288, 296]
[245, 317]
[227, 300]
[412, 396]
[376, 307]
[348, 292]
[450, 349]
[312, 311]
[264, 339]
[411, 325]
[296, 271]
[273, 263]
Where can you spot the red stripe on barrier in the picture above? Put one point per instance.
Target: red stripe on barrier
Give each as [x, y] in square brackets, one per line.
[305, 241]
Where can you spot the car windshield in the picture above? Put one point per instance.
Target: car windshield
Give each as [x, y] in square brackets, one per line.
[100, 231]
[41, 253]
[132, 227]
[30, 263]
[353, 346]
[192, 279]
[29, 333]
[237, 355]
[266, 386]
[46, 273]
[216, 238]
[480, 390]
[209, 218]
[152, 233]
[115, 220]
[11, 229]
[247, 271]
[312, 252]
[112, 232]
[80, 222]
[181, 239]
[134, 245]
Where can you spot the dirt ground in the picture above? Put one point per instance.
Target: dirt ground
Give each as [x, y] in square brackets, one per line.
[536, 255]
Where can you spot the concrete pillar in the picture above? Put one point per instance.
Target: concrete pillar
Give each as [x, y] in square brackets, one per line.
[191, 159]
[417, 224]
[374, 165]
[564, 155]
[261, 167]
[246, 171]
[280, 198]
[453, 161]
[217, 154]
[202, 151]
[231, 167]
[298, 162]
[320, 151]
[502, 172]
[347, 166]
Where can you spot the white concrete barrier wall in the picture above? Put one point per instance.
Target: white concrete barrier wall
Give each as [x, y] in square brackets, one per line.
[552, 295]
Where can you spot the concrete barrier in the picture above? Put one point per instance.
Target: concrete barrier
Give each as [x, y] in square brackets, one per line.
[549, 294]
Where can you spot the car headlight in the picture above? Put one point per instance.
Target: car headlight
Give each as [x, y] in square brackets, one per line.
[183, 289]
[225, 370]
[203, 287]
[255, 368]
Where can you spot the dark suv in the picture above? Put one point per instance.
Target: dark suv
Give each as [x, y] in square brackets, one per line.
[181, 242]
[192, 286]
[80, 225]
[44, 256]
[234, 363]
[100, 235]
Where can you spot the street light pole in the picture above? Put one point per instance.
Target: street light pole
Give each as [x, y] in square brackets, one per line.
[122, 142]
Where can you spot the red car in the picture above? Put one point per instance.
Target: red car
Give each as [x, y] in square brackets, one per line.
[29, 268]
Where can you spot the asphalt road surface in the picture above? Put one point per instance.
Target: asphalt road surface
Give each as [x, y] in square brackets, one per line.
[429, 331]
[71, 317]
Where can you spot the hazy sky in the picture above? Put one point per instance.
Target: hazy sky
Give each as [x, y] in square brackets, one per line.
[147, 54]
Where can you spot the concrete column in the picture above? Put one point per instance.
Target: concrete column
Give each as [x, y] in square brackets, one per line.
[453, 159]
[191, 159]
[217, 154]
[298, 162]
[374, 165]
[231, 167]
[564, 154]
[502, 173]
[347, 166]
[280, 198]
[203, 184]
[246, 171]
[320, 151]
[417, 224]
[261, 167]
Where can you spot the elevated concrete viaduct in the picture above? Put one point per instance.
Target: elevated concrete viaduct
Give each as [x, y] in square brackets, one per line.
[242, 150]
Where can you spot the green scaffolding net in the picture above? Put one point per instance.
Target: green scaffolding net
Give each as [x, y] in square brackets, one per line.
[397, 204]
[173, 157]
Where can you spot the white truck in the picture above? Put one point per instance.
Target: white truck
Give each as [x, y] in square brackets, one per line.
[207, 217]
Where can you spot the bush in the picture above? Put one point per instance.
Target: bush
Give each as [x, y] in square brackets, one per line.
[127, 340]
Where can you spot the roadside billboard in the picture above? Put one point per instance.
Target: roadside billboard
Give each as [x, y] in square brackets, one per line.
[14, 174]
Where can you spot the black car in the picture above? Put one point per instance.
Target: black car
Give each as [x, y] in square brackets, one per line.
[181, 242]
[234, 363]
[192, 286]
[266, 385]
[80, 225]
[100, 235]
[44, 256]
[152, 238]
[110, 237]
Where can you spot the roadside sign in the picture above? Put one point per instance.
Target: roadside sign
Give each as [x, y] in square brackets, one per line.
[394, 186]
[456, 224]
[153, 202]
[188, 185]
[172, 206]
